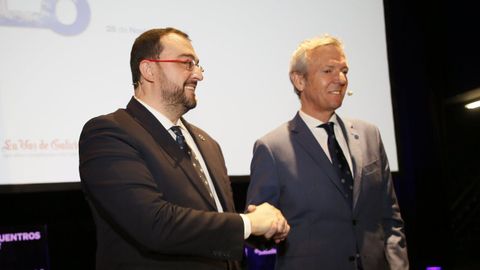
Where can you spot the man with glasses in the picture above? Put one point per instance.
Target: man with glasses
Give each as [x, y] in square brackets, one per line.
[157, 185]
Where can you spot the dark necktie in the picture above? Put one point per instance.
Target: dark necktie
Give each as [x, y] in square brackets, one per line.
[339, 162]
[180, 139]
[196, 164]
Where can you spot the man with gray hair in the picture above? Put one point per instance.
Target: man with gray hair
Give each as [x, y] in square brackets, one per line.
[328, 175]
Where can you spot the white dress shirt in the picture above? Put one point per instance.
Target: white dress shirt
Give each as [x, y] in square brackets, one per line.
[321, 135]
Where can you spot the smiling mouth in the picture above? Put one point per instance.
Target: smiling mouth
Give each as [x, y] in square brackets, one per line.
[190, 87]
[335, 92]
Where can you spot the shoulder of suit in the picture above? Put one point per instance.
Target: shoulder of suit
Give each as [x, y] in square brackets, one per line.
[358, 124]
[114, 118]
[197, 132]
[278, 134]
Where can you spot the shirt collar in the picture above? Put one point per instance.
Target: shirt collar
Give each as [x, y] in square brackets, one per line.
[160, 117]
[312, 122]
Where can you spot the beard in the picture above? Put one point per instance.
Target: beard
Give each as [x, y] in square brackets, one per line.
[175, 96]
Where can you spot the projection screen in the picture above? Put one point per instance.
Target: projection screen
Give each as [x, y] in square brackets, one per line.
[64, 62]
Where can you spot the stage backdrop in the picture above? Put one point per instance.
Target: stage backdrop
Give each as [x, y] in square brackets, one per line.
[63, 62]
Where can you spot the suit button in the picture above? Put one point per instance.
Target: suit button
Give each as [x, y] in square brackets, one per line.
[351, 258]
[354, 222]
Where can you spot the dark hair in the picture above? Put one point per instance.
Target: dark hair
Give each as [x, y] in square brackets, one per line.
[148, 45]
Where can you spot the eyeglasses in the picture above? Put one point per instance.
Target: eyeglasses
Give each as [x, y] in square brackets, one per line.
[190, 64]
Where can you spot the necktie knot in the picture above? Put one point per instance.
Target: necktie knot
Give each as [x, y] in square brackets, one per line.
[180, 138]
[328, 126]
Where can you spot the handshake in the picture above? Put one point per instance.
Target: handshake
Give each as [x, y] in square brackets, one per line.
[268, 221]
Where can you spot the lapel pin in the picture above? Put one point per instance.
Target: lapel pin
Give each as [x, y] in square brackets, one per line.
[201, 137]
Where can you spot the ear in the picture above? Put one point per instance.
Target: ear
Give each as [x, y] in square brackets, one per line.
[298, 80]
[146, 69]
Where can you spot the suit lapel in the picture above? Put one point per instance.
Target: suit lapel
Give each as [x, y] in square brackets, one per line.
[204, 145]
[153, 126]
[303, 136]
[167, 144]
[353, 141]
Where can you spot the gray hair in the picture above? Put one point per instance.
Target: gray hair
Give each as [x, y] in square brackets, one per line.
[299, 59]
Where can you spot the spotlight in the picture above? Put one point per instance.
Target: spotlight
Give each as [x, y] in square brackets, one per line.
[473, 105]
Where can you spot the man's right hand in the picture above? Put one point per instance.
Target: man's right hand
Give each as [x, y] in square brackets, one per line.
[268, 221]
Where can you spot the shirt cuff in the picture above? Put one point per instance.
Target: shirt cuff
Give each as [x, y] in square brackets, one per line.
[247, 226]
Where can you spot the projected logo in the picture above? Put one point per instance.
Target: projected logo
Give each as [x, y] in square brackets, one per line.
[19, 237]
[64, 17]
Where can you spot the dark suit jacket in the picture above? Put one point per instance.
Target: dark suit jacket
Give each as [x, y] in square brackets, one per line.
[291, 171]
[150, 208]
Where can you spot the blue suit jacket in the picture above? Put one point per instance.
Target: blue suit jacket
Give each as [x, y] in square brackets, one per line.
[291, 171]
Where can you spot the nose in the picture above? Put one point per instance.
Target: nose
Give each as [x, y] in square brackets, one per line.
[342, 78]
[197, 73]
